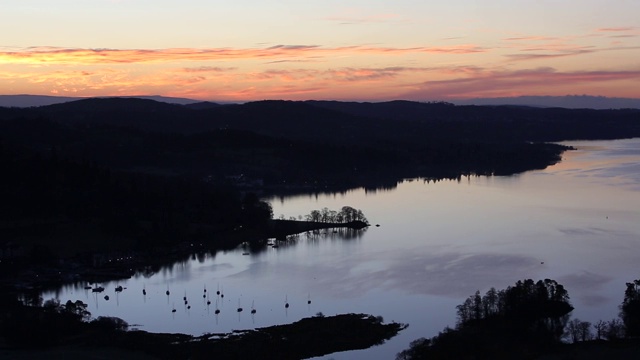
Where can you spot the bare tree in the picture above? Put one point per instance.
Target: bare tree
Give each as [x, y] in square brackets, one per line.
[601, 329]
[584, 329]
[578, 330]
[572, 332]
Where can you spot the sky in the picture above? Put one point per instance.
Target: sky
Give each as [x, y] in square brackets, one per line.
[373, 50]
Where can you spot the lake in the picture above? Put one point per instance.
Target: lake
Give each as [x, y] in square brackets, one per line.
[438, 242]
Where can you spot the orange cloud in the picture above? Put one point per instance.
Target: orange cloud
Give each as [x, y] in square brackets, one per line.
[208, 69]
[106, 81]
[193, 72]
[341, 75]
[292, 61]
[456, 49]
[370, 74]
[50, 55]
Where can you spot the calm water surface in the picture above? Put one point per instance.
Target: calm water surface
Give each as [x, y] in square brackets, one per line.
[437, 243]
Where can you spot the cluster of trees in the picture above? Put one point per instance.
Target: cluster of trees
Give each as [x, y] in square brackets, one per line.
[630, 309]
[50, 323]
[578, 330]
[544, 299]
[346, 214]
[627, 325]
[75, 309]
[30, 323]
[520, 320]
[523, 321]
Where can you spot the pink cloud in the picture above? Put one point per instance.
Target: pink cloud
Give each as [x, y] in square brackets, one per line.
[522, 57]
[529, 47]
[531, 38]
[616, 29]
[509, 83]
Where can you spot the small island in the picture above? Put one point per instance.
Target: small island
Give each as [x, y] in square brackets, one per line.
[347, 217]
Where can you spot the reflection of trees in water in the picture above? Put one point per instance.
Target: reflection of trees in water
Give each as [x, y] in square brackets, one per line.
[31, 297]
[289, 240]
[344, 234]
[256, 247]
[171, 265]
[335, 234]
[309, 237]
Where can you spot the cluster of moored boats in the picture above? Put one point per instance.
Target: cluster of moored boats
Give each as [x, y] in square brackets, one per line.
[219, 294]
[99, 289]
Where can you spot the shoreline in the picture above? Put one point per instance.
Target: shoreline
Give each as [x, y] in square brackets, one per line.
[95, 266]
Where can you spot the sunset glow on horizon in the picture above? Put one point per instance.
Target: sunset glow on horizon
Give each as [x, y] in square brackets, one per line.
[355, 50]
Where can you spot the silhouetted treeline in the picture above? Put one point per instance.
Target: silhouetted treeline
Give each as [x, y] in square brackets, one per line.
[528, 320]
[309, 146]
[345, 215]
[347, 122]
[519, 322]
[519, 123]
[630, 309]
[627, 325]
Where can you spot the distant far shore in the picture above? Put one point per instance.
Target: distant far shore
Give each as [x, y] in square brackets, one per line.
[566, 101]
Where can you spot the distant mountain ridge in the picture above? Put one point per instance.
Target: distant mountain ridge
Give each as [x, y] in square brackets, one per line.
[25, 100]
[568, 101]
[345, 122]
[22, 101]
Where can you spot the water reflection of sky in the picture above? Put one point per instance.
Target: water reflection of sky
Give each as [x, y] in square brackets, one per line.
[609, 163]
[575, 222]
